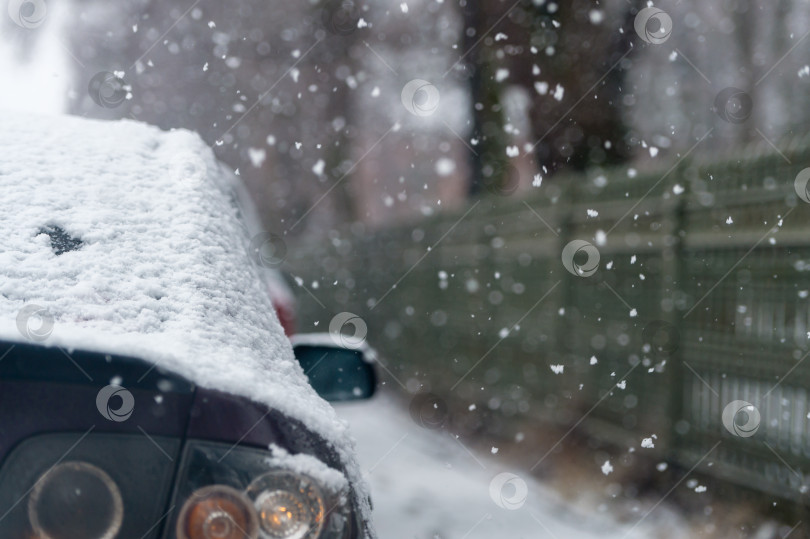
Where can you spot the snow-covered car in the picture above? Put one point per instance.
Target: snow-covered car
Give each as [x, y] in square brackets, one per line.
[147, 389]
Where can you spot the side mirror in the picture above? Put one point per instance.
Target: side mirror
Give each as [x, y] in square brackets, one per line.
[336, 373]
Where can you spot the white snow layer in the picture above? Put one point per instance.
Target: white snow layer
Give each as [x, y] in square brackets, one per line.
[164, 273]
[428, 484]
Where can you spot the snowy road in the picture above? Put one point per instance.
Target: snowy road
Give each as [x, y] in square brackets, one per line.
[426, 485]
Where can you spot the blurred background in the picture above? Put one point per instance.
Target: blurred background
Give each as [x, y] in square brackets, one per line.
[295, 94]
[568, 228]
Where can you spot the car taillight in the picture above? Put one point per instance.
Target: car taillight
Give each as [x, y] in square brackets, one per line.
[72, 485]
[75, 499]
[217, 512]
[289, 505]
[223, 488]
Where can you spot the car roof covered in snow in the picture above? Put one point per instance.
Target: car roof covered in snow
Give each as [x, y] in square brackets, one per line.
[153, 259]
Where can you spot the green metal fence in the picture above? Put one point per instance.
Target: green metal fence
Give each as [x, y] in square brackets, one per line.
[701, 298]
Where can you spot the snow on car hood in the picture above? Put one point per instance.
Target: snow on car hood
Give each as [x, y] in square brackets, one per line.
[163, 271]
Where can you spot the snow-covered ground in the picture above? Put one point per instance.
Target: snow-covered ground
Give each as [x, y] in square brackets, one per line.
[426, 485]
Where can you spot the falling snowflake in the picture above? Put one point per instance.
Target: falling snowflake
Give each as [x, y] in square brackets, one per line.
[445, 166]
[541, 87]
[257, 156]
